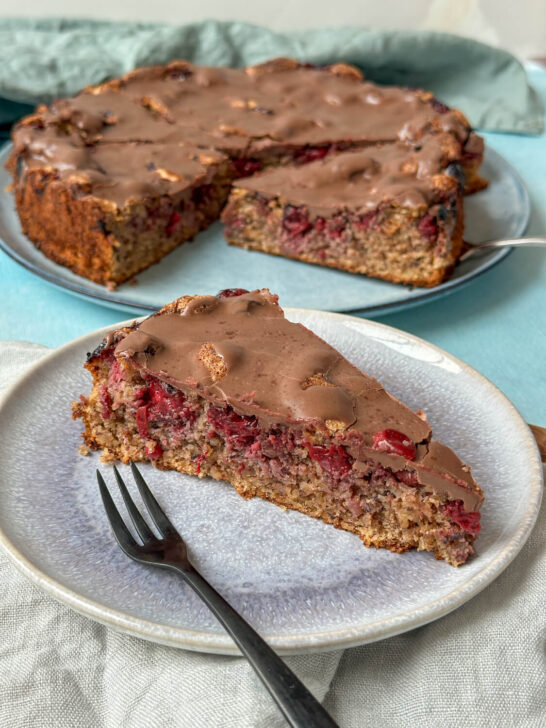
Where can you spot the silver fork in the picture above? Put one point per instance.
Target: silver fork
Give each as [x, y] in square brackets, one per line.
[298, 706]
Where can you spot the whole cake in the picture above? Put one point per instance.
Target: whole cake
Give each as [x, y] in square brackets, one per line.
[109, 181]
[224, 386]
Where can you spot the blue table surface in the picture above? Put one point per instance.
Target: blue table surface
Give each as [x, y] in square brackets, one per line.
[497, 323]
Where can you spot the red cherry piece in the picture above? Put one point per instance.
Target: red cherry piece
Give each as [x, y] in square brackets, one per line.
[469, 521]
[154, 452]
[296, 222]
[246, 167]
[173, 222]
[231, 292]
[310, 154]
[395, 442]
[334, 459]
[142, 421]
[365, 221]
[238, 430]
[199, 462]
[428, 227]
[166, 404]
[234, 222]
[337, 227]
[320, 225]
[407, 476]
[105, 402]
[115, 375]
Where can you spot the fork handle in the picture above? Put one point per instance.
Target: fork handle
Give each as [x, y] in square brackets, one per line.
[298, 706]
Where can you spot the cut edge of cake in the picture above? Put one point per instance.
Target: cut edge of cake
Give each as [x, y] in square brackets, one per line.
[118, 238]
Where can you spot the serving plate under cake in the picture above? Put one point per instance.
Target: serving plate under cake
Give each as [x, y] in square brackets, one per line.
[304, 585]
[500, 211]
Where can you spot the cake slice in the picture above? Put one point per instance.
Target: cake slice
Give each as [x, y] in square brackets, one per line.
[109, 211]
[224, 386]
[389, 211]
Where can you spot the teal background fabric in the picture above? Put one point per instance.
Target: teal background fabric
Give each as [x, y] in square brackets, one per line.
[44, 59]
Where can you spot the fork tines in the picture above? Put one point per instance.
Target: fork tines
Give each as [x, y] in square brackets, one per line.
[123, 536]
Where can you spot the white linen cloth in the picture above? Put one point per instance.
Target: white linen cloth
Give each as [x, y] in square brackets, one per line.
[483, 665]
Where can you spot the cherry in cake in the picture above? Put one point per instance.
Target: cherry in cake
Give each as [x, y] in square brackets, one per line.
[226, 387]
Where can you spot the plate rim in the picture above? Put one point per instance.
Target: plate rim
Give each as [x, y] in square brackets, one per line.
[109, 298]
[294, 643]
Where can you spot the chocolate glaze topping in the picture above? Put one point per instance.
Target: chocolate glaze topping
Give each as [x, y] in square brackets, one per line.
[281, 372]
[285, 101]
[119, 172]
[279, 106]
[359, 180]
[113, 116]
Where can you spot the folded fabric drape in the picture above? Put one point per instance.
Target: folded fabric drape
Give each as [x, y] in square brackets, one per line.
[44, 59]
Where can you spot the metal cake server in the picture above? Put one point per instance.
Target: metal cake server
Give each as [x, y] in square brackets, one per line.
[516, 243]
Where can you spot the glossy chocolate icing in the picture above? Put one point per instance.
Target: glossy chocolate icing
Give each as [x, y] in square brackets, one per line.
[114, 116]
[358, 180]
[270, 368]
[284, 101]
[279, 107]
[121, 172]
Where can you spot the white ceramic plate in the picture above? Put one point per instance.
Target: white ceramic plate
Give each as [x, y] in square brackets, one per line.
[500, 211]
[304, 585]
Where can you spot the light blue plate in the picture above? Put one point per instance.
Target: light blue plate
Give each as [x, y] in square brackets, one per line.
[208, 264]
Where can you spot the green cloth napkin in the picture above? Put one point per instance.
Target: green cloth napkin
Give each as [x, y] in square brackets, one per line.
[44, 59]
